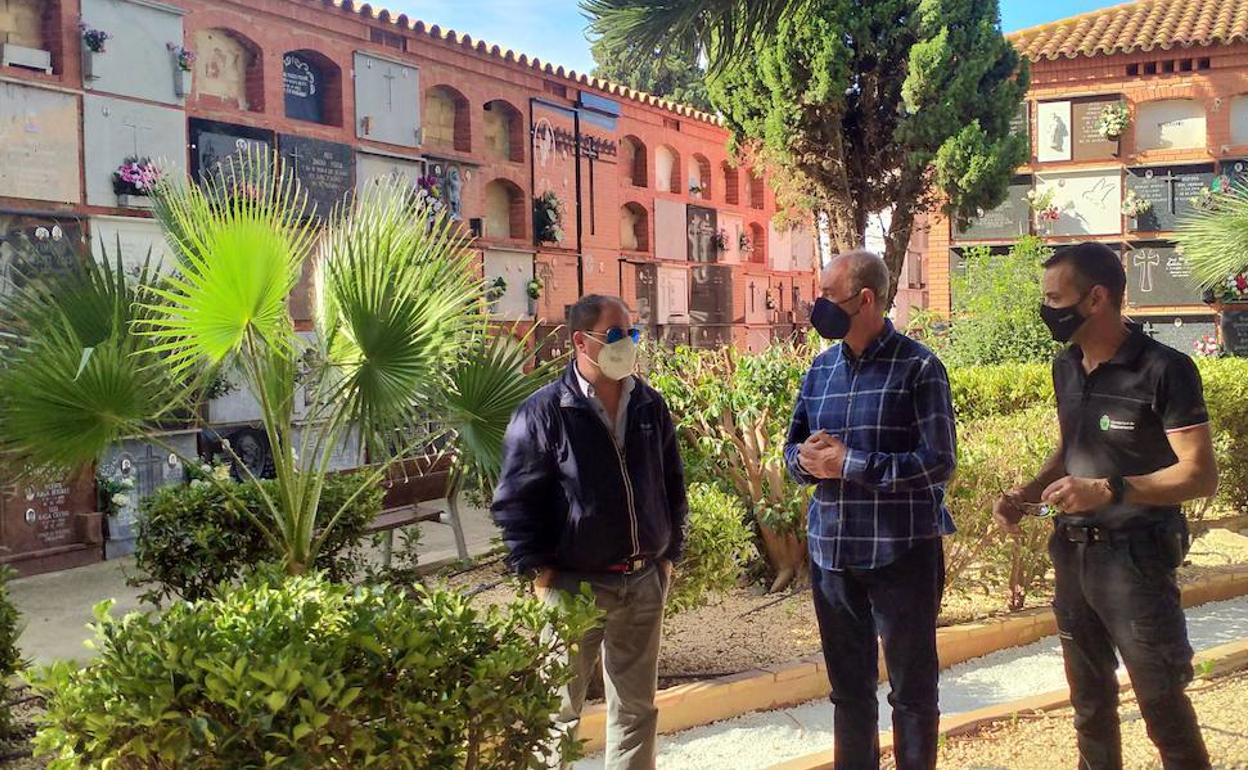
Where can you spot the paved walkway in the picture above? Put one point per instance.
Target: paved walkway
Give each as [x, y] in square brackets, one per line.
[56, 607]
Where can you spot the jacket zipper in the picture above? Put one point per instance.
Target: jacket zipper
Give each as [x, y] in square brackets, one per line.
[628, 491]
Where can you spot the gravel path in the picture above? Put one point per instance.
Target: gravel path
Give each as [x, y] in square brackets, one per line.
[762, 739]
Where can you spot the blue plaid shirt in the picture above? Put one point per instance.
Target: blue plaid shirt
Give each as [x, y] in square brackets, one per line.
[893, 409]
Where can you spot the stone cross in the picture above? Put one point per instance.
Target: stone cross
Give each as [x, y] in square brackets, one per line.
[389, 78]
[1146, 260]
[136, 130]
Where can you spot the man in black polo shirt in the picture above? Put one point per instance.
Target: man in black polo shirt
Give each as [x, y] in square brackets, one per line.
[1135, 445]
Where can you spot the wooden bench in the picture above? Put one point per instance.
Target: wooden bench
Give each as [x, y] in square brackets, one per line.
[397, 518]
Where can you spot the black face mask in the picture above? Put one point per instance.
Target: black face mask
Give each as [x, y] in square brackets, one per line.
[1063, 322]
[830, 319]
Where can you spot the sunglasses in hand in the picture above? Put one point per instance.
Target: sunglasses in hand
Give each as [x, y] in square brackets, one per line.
[615, 334]
[1039, 510]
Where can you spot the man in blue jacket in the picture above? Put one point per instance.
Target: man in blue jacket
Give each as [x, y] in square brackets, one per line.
[873, 431]
[592, 491]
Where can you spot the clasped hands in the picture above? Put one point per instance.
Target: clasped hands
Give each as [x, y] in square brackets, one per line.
[822, 455]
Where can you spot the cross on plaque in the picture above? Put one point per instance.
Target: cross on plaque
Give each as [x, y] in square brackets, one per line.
[389, 77]
[135, 129]
[753, 297]
[1170, 181]
[1146, 260]
[294, 156]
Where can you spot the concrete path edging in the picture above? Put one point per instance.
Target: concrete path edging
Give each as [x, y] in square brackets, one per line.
[1223, 659]
[771, 687]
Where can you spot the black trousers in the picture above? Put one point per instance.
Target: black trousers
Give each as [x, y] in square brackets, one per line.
[898, 604]
[1124, 595]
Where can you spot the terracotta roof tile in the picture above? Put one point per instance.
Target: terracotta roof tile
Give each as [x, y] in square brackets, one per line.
[1139, 26]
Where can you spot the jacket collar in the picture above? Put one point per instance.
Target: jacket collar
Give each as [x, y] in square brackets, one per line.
[571, 395]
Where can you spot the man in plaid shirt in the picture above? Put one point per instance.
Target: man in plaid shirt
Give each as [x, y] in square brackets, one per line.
[873, 430]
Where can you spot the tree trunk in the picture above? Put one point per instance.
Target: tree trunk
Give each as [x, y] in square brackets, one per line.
[785, 553]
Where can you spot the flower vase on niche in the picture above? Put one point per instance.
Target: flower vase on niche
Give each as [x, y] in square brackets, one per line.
[133, 182]
[93, 41]
[183, 61]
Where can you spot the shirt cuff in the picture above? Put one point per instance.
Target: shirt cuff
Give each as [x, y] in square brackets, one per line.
[854, 466]
[798, 472]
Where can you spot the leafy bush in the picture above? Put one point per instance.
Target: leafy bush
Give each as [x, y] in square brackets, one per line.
[1226, 395]
[192, 538]
[300, 672]
[10, 656]
[996, 303]
[984, 391]
[718, 545]
[996, 454]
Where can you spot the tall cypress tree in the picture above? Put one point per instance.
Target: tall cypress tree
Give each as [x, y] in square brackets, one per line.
[864, 105]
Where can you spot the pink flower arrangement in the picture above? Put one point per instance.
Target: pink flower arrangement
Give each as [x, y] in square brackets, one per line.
[1208, 346]
[136, 176]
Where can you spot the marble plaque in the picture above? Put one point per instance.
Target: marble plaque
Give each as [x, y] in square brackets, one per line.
[1088, 143]
[1157, 275]
[1170, 190]
[733, 226]
[758, 340]
[136, 61]
[38, 518]
[303, 88]
[146, 468]
[779, 247]
[115, 129]
[1007, 222]
[1233, 173]
[647, 292]
[1235, 332]
[39, 156]
[756, 311]
[33, 246]
[1088, 202]
[1170, 124]
[711, 337]
[555, 160]
[387, 101]
[215, 145]
[710, 295]
[673, 300]
[326, 170]
[670, 223]
[1179, 332]
[516, 270]
[803, 248]
[700, 230]
[1053, 131]
[1020, 124]
[136, 238]
[369, 166]
[1239, 120]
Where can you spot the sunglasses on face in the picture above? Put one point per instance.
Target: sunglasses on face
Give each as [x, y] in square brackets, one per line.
[615, 334]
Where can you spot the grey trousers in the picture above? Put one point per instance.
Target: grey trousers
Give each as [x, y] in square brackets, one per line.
[627, 643]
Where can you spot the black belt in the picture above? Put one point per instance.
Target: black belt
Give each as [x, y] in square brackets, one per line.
[1093, 534]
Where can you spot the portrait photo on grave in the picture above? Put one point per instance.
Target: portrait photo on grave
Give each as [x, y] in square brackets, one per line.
[34, 245]
[700, 232]
[214, 145]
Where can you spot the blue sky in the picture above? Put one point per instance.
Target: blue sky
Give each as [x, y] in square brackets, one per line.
[554, 30]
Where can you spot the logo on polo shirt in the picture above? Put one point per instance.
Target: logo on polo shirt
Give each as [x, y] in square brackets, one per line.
[1108, 424]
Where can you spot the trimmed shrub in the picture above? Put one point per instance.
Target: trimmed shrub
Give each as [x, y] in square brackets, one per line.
[984, 391]
[1226, 395]
[718, 546]
[996, 454]
[191, 537]
[301, 672]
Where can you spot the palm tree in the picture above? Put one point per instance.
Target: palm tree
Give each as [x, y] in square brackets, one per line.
[1214, 237]
[718, 28]
[400, 333]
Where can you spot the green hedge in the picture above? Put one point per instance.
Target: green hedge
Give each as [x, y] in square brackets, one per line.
[191, 538]
[718, 545]
[300, 672]
[984, 391]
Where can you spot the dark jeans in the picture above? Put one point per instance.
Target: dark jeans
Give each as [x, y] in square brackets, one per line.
[897, 603]
[1123, 595]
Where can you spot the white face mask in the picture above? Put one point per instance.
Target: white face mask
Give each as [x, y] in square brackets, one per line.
[619, 359]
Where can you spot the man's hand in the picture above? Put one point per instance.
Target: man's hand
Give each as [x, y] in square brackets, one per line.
[1007, 514]
[822, 455]
[1072, 494]
[668, 570]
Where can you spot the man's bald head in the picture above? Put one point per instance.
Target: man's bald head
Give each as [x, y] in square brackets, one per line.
[849, 273]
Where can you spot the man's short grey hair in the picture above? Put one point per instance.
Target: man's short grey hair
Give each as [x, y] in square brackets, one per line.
[866, 271]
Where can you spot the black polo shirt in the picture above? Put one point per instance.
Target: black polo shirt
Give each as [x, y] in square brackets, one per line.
[1114, 421]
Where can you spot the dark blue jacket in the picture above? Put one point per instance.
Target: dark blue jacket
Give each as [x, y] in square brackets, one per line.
[570, 499]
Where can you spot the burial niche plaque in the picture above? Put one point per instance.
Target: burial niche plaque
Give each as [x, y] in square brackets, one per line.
[1158, 275]
[1053, 131]
[1171, 192]
[214, 144]
[302, 83]
[700, 233]
[710, 298]
[325, 170]
[1235, 331]
[38, 144]
[1007, 222]
[1088, 142]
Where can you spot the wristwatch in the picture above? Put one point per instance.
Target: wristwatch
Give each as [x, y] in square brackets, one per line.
[1117, 489]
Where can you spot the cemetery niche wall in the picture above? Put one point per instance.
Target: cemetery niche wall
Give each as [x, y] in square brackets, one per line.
[117, 130]
[140, 34]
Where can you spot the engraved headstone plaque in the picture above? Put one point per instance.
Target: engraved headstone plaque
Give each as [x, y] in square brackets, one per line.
[1158, 275]
[710, 297]
[1088, 202]
[115, 129]
[1007, 222]
[1235, 331]
[1088, 143]
[1171, 191]
[325, 170]
[303, 87]
[700, 231]
[215, 145]
[34, 246]
[39, 155]
[1179, 332]
[1053, 131]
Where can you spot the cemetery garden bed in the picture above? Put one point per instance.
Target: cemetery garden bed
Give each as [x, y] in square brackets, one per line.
[747, 629]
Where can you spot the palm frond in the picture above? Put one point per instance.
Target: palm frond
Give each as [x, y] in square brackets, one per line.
[722, 29]
[1214, 240]
[488, 383]
[75, 376]
[396, 296]
[241, 238]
